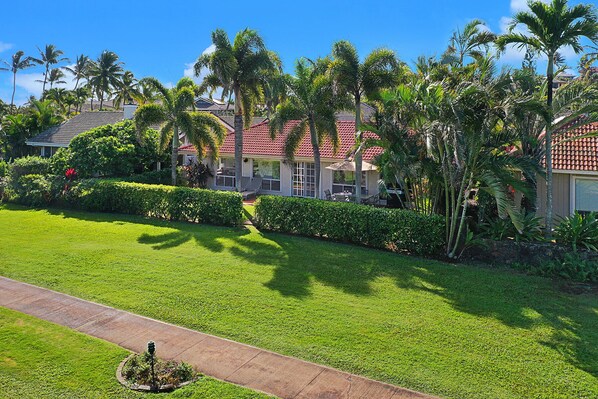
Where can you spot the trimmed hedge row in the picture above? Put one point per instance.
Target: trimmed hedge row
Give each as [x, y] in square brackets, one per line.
[163, 202]
[395, 229]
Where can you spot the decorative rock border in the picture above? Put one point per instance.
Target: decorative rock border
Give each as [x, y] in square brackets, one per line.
[145, 388]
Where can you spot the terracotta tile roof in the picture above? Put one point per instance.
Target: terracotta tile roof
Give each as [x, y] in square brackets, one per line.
[257, 141]
[581, 154]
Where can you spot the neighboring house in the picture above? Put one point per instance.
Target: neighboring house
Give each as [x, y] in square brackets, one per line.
[575, 174]
[49, 141]
[265, 158]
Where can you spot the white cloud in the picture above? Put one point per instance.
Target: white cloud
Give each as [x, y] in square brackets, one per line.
[521, 5]
[27, 82]
[190, 71]
[5, 46]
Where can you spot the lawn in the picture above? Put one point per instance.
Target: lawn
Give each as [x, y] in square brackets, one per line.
[43, 360]
[451, 330]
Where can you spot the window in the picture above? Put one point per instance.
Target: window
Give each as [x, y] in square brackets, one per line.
[269, 171]
[304, 179]
[586, 195]
[344, 181]
[49, 151]
[225, 175]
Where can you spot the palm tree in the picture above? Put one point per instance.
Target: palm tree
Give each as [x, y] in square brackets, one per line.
[551, 27]
[81, 95]
[19, 62]
[49, 56]
[311, 108]
[469, 42]
[238, 69]
[202, 129]
[358, 80]
[127, 90]
[105, 74]
[55, 77]
[79, 70]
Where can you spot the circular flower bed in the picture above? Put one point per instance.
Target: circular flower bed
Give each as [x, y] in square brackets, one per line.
[135, 372]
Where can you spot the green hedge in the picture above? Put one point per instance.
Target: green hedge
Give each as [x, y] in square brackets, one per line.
[163, 202]
[394, 229]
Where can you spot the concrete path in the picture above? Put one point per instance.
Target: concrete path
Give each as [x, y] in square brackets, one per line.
[226, 360]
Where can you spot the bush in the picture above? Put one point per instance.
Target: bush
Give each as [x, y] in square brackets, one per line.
[112, 150]
[577, 230]
[163, 202]
[3, 168]
[34, 190]
[31, 165]
[499, 229]
[394, 229]
[137, 370]
[60, 161]
[572, 266]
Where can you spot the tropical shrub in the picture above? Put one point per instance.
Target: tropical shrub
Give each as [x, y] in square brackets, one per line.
[197, 174]
[3, 168]
[30, 165]
[163, 202]
[60, 161]
[111, 150]
[394, 229]
[501, 229]
[572, 266]
[577, 230]
[137, 370]
[34, 190]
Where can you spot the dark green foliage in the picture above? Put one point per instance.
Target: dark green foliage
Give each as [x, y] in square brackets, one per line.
[158, 201]
[394, 229]
[3, 168]
[572, 266]
[577, 230]
[34, 190]
[112, 150]
[60, 161]
[31, 165]
[197, 174]
[138, 370]
[501, 229]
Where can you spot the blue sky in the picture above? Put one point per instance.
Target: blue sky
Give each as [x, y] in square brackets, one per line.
[161, 38]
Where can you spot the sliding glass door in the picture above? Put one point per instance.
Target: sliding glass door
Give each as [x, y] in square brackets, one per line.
[304, 179]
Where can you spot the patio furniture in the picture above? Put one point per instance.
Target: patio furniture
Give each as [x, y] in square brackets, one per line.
[253, 188]
[345, 196]
[328, 195]
[371, 200]
[244, 183]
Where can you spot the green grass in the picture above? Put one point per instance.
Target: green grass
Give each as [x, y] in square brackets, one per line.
[43, 360]
[452, 330]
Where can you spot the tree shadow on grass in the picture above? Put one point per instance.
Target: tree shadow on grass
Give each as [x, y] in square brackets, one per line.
[515, 300]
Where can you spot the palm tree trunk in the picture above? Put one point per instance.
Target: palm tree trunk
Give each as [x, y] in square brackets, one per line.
[238, 138]
[175, 155]
[14, 88]
[548, 138]
[358, 157]
[316, 148]
[45, 80]
[101, 100]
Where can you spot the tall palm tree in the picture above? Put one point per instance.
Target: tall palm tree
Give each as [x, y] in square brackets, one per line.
[127, 90]
[146, 93]
[202, 129]
[81, 95]
[79, 70]
[310, 106]
[551, 27]
[19, 62]
[105, 74]
[238, 69]
[49, 56]
[358, 80]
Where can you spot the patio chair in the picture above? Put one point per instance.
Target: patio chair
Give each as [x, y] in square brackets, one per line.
[328, 195]
[244, 183]
[253, 188]
[372, 200]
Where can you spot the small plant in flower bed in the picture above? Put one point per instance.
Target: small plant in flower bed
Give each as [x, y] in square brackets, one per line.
[169, 373]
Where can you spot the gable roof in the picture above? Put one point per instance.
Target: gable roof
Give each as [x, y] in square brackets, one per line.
[577, 155]
[257, 142]
[61, 135]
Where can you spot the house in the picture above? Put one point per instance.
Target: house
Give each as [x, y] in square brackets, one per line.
[575, 174]
[49, 141]
[265, 158]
